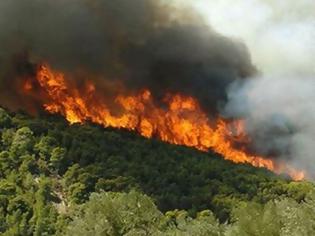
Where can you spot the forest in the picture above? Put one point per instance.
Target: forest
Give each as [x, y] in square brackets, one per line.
[83, 179]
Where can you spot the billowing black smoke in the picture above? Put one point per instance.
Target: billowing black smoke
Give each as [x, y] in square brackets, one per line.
[143, 43]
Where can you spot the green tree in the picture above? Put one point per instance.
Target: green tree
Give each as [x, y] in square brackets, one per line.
[57, 158]
[276, 218]
[45, 147]
[45, 215]
[5, 119]
[179, 223]
[7, 138]
[116, 214]
[23, 141]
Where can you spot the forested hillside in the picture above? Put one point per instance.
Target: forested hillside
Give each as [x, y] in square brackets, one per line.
[58, 179]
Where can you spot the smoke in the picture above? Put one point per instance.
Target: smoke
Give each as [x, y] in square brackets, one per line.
[141, 43]
[168, 47]
[278, 104]
[276, 32]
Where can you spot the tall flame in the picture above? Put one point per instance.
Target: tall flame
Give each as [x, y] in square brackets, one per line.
[181, 122]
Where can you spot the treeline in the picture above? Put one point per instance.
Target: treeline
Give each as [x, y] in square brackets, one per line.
[135, 214]
[48, 171]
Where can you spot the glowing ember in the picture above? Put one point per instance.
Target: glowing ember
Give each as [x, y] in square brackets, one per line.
[181, 122]
[28, 85]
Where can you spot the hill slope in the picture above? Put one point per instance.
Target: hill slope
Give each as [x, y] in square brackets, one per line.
[47, 168]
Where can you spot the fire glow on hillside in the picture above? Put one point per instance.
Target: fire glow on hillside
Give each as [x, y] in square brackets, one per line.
[179, 120]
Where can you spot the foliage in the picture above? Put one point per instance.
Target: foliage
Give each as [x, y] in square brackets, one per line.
[54, 177]
[285, 218]
[116, 214]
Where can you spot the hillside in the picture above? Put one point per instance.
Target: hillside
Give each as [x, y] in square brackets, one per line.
[48, 169]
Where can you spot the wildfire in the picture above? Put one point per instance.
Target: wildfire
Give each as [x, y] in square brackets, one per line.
[180, 122]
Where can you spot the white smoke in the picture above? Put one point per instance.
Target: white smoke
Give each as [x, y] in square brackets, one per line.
[277, 32]
[279, 104]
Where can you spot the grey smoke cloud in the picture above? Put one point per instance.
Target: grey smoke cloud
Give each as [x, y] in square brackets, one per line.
[279, 114]
[143, 43]
[278, 104]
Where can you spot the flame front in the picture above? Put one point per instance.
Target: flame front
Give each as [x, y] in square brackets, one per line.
[181, 122]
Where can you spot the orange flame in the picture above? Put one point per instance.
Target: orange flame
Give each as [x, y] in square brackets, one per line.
[182, 122]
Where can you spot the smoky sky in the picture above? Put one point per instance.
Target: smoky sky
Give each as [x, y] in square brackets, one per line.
[142, 43]
[277, 104]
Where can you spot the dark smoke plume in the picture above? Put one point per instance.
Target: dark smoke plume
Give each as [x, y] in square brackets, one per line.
[143, 43]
